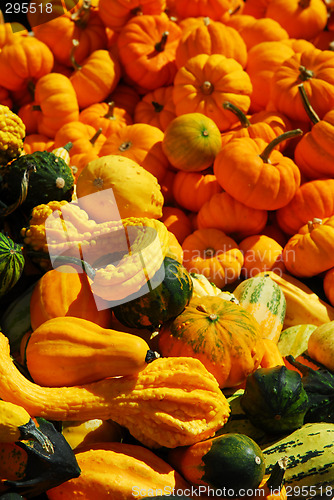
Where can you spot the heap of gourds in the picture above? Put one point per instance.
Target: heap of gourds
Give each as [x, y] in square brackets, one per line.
[166, 250]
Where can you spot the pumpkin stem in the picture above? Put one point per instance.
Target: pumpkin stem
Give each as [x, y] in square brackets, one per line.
[307, 105]
[303, 4]
[312, 223]
[206, 21]
[81, 16]
[160, 46]
[68, 146]
[23, 191]
[75, 64]
[110, 113]
[209, 252]
[207, 88]
[275, 480]
[157, 107]
[36, 107]
[93, 139]
[241, 116]
[283, 137]
[305, 74]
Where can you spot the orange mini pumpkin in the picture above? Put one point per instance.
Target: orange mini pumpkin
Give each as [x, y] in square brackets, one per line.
[211, 252]
[192, 189]
[312, 199]
[176, 221]
[261, 253]
[156, 108]
[96, 77]
[205, 82]
[146, 47]
[115, 13]
[315, 69]
[205, 36]
[310, 251]
[106, 116]
[244, 170]
[56, 97]
[233, 217]
[140, 142]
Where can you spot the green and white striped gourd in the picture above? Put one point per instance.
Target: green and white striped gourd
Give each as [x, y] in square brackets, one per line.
[11, 263]
[265, 300]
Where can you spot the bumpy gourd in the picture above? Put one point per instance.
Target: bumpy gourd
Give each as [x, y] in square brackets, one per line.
[160, 406]
[138, 246]
[12, 133]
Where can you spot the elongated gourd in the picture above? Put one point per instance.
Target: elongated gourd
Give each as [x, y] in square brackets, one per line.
[160, 406]
[71, 351]
[303, 306]
[118, 470]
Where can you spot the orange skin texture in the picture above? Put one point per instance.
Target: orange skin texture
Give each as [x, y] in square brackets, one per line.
[211, 252]
[115, 14]
[261, 253]
[100, 116]
[233, 217]
[76, 298]
[141, 143]
[210, 37]
[96, 78]
[55, 94]
[312, 199]
[192, 189]
[146, 112]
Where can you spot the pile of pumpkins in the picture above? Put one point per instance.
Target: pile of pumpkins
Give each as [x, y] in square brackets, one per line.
[166, 249]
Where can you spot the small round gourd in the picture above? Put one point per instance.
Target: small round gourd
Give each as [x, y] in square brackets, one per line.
[162, 302]
[275, 399]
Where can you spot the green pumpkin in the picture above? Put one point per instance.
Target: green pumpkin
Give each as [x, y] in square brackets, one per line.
[275, 399]
[232, 461]
[50, 179]
[163, 302]
[11, 263]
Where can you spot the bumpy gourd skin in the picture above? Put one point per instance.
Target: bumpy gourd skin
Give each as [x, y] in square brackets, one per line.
[12, 133]
[160, 406]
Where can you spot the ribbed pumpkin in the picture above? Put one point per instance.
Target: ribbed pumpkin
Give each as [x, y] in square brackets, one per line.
[221, 334]
[11, 263]
[222, 211]
[256, 174]
[156, 108]
[261, 253]
[206, 36]
[312, 199]
[211, 252]
[264, 299]
[309, 252]
[205, 82]
[192, 189]
[141, 143]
